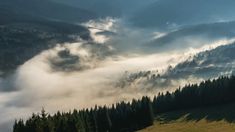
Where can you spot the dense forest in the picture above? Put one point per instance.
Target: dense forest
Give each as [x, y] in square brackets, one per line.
[123, 117]
[134, 115]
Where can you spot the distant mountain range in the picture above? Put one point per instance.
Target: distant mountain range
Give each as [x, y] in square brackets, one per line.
[31, 26]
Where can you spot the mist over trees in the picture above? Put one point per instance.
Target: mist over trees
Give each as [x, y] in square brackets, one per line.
[32, 26]
[51, 47]
[134, 115]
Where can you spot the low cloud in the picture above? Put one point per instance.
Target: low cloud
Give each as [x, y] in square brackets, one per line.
[114, 67]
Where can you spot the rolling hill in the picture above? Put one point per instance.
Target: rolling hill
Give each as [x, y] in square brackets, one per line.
[209, 119]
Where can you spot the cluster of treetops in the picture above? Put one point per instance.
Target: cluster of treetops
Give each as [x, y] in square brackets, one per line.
[134, 115]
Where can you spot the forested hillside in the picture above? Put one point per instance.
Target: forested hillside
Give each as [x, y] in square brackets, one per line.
[135, 115]
[120, 117]
[30, 38]
[29, 27]
[112, 65]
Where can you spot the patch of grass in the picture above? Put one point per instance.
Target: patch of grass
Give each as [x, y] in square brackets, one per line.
[210, 119]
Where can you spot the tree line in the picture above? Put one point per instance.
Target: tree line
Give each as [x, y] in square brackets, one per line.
[121, 117]
[207, 93]
[134, 115]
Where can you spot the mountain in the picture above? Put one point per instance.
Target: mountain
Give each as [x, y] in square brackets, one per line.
[28, 27]
[165, 14]
[21, 41]
[207, 64]
[204, 65]
[193, 36]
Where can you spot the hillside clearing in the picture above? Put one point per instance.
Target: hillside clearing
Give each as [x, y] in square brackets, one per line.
[211, 119]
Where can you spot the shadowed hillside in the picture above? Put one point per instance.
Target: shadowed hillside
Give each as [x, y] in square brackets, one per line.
[29, 27]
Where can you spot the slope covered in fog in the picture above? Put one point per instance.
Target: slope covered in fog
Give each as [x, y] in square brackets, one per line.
[30, 38]
[62, 51]
[192, 36]
[207, 64]
[26, 29]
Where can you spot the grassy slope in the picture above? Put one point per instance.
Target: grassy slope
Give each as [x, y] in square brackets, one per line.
[211, 119]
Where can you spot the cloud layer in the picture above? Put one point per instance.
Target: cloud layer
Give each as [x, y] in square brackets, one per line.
[115, 66]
